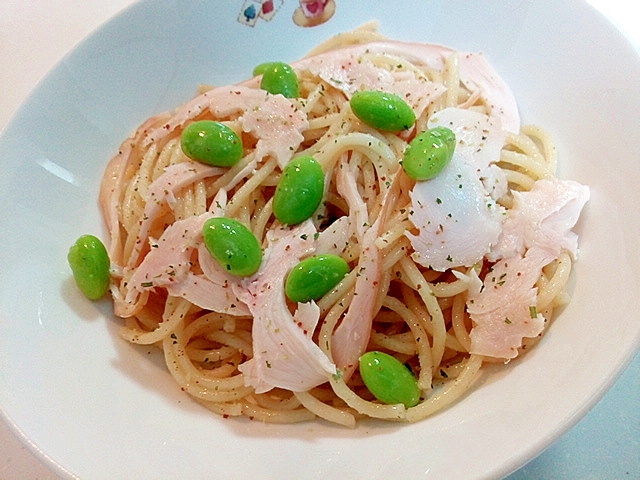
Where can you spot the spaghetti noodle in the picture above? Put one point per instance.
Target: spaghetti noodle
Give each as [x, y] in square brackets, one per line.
[441, 289]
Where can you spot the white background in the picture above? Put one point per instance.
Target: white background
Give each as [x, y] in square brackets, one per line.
[35, 34]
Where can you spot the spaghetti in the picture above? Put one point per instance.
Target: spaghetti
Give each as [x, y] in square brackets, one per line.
[443, 302]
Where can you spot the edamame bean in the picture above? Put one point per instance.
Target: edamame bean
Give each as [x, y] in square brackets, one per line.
[90, 264]
[428, 153]
[278, 77]
[232, 245]
[381, 110]
[261, 68]
[299, 191]
[211, 142]
[388, 379]
[313, 277]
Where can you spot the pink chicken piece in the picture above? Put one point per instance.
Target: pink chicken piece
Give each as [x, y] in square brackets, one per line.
[345, 69]
[350, 338]
[543, 217]
[348, 70]
[537, 230]
[274, 119]
[284, 354]
[504, 311]
[163, 190]
[459, 202]
[168, 265]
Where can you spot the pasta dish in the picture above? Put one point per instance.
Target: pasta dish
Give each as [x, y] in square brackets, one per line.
[318, 259]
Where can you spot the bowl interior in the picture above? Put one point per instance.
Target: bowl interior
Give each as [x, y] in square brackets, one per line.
[100, 408]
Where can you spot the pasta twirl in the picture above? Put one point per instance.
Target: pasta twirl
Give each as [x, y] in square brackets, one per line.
[445, 274]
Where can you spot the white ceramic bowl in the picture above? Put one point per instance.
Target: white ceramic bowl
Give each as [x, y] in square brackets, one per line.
[96, 407]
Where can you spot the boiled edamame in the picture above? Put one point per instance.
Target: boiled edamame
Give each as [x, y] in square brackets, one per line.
[233, 245]
[314, 276]
[299, 191]
[90, 264]
[389, 380]
[383, 111]
[211, 142]
[428, 153]
[278, 77]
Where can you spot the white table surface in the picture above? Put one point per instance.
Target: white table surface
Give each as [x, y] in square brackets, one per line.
[35, 34]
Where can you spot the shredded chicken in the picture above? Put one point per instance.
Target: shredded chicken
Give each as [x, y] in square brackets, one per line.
[536, 231]
[457, 217]
[504, 311]
[284, 354]
[543, 217]
[348, 70]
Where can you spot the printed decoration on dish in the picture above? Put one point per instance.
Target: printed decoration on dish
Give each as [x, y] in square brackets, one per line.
[254, 10]
[314, 12]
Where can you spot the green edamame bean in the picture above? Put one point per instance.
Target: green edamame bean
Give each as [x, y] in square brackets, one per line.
[278, 77]
[388, 379]
[211, 142]
[299, 191]
[381, 110]
[90, 264]
[232, 245]
[313, 277]
[428, 153]
[261, 68]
